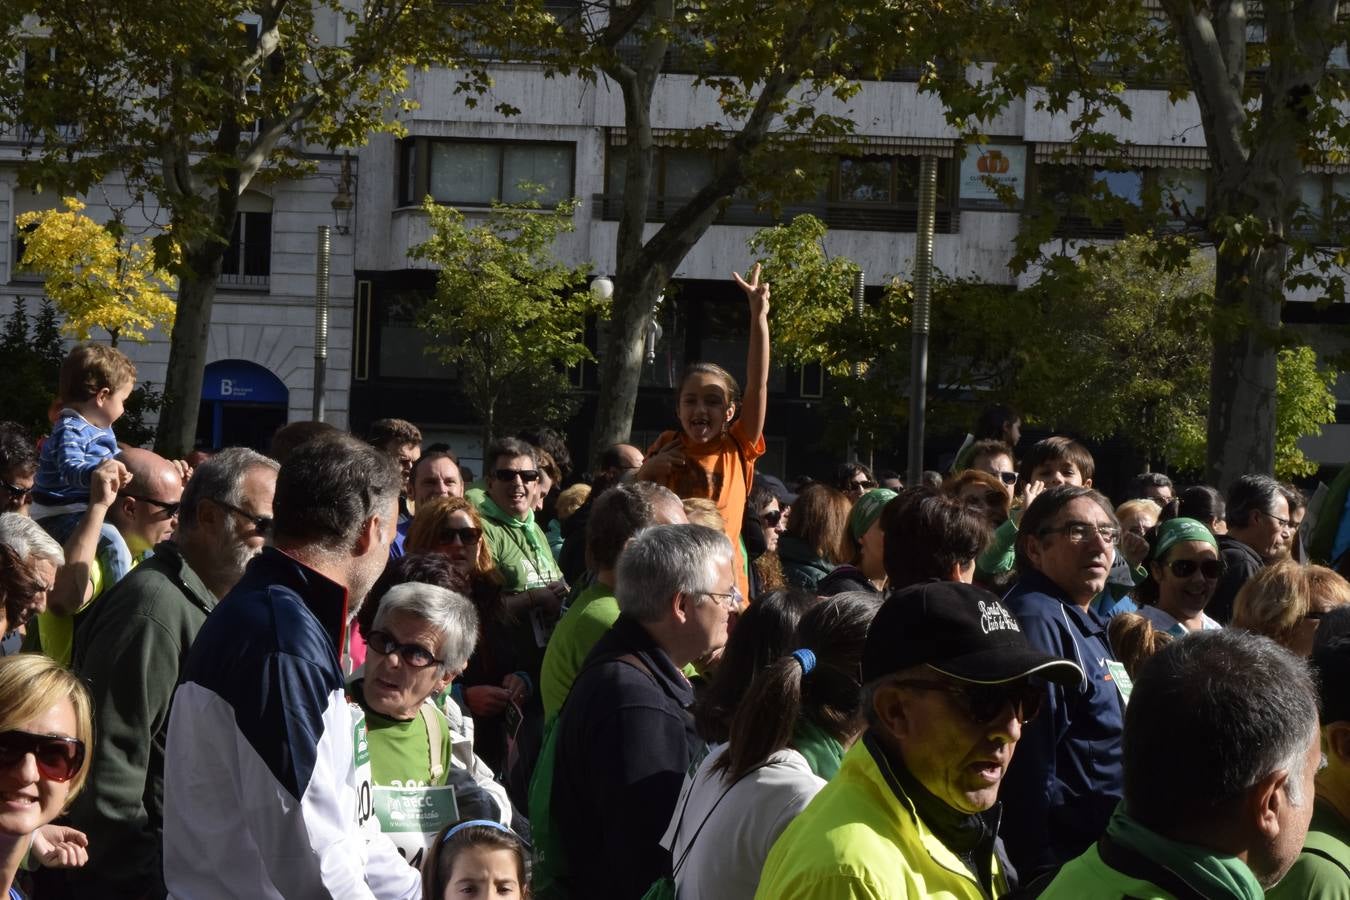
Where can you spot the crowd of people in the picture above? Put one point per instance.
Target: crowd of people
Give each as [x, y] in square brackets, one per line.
[351, 668]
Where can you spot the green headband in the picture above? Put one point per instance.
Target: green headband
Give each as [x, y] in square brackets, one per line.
[867, 510]
[1174, 531]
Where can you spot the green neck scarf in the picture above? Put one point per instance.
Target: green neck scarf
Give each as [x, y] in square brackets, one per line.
[540, 557]
[1215, 875]
[823, 753]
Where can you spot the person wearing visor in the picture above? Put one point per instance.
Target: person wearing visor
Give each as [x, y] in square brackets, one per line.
[949, 684]
[1184, 568]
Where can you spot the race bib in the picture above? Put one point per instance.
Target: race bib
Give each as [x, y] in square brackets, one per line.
[412, 816]
[365, 805]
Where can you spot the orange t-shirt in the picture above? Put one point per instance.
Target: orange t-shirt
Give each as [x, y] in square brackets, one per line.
[721, 471]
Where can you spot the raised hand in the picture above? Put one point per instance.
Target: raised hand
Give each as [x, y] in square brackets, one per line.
[756, 292]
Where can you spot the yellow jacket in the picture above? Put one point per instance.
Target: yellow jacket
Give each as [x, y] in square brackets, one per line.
[858, 840]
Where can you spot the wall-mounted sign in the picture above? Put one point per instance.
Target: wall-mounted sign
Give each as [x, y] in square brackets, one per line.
[989, 169]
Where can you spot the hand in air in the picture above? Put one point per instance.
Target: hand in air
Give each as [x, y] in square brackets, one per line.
[756, 292]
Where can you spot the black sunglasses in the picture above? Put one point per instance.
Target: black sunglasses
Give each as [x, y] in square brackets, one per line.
[465, 536]
[262, 523]
[526, 475]
[170, 508]
[1007, 477]
[58, 758]
[24, 494]
[772, 517]
[1185, 568]
[415, 655]
[984, 703]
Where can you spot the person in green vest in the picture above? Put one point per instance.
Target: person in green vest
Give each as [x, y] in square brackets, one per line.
[1221, 748]
[621, 512]
[1322, 870]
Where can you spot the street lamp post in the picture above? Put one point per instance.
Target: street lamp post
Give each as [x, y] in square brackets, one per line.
[923, 288]
[321, 272]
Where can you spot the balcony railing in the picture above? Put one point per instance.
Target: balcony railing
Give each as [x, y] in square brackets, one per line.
[903, 217]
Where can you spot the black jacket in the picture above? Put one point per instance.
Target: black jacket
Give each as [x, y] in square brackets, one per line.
[1240, 563]
[625, 742]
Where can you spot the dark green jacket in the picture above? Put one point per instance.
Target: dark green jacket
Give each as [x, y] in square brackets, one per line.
[130, 650]
[801, 566]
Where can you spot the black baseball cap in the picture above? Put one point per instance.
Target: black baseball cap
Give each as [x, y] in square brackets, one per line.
[776, 487]
[960, 630]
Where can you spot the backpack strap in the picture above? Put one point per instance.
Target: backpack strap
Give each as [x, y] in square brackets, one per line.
[435, 740]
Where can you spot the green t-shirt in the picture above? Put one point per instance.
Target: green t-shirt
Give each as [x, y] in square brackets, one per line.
[1314, 875]
[584, 623]
[400, 752]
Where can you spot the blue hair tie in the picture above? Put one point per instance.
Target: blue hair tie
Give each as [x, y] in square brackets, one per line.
[483, 823]
[806, 659]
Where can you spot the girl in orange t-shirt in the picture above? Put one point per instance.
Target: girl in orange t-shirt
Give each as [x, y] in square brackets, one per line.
[712, 456]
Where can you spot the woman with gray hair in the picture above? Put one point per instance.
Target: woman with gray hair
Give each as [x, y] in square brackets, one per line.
[421, 641]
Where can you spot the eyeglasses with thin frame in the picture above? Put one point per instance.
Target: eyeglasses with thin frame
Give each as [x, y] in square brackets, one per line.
[170, 508]
[731, 600]
[466, 536]
[415, 655]
[1285, 524]
[58, 758]
[984, 703]
[527, 476]
[1080, 532]
[1212, 569]
[263, 524]
[24, 494]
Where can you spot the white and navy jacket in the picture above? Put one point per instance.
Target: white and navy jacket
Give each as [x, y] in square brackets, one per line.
[261, 797]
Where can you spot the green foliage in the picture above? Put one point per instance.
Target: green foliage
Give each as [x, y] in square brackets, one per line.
[815, 320]
[1305, 404]
[32, 352]
[506, 313]
[131, 427]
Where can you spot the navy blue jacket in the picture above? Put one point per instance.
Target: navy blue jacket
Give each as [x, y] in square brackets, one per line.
[1066, 774]
[625, 743]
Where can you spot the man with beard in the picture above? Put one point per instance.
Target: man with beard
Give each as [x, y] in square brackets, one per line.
[130, 650]
[264, 794]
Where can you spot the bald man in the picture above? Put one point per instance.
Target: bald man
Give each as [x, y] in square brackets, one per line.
[144, 510]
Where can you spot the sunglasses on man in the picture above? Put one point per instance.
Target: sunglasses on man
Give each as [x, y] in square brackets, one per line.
[21, 494]
[58, 758]
[983, 703]
[170, 509]
[528, 476]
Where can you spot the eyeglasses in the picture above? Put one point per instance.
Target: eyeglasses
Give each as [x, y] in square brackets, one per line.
[1285, 524]
[170, 508]
[22, 494]
[984, 703]
[771, 517]
[415, 655]
[262, 523]
[58, 758]
[732, 601]
[1008, 478]
[1185, 568]
[465, 536]
[1081, 532]
[528, 476]
[861, 485]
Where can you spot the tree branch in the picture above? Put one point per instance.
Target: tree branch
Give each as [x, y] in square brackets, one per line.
[1216, 57]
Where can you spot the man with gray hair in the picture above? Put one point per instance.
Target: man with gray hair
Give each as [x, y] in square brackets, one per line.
[621, 512]
[1221, 748]
[43, 555]
[1259, 531]
[625, 738]
[130, 650]
[260, 791]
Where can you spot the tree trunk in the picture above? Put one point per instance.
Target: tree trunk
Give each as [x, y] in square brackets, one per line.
[187, 359]
[635, 296]
[1241, 427]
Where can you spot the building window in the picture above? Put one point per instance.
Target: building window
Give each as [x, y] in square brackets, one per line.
[477, 173]
[1097, 202]
[248, 259]
[875, 192]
